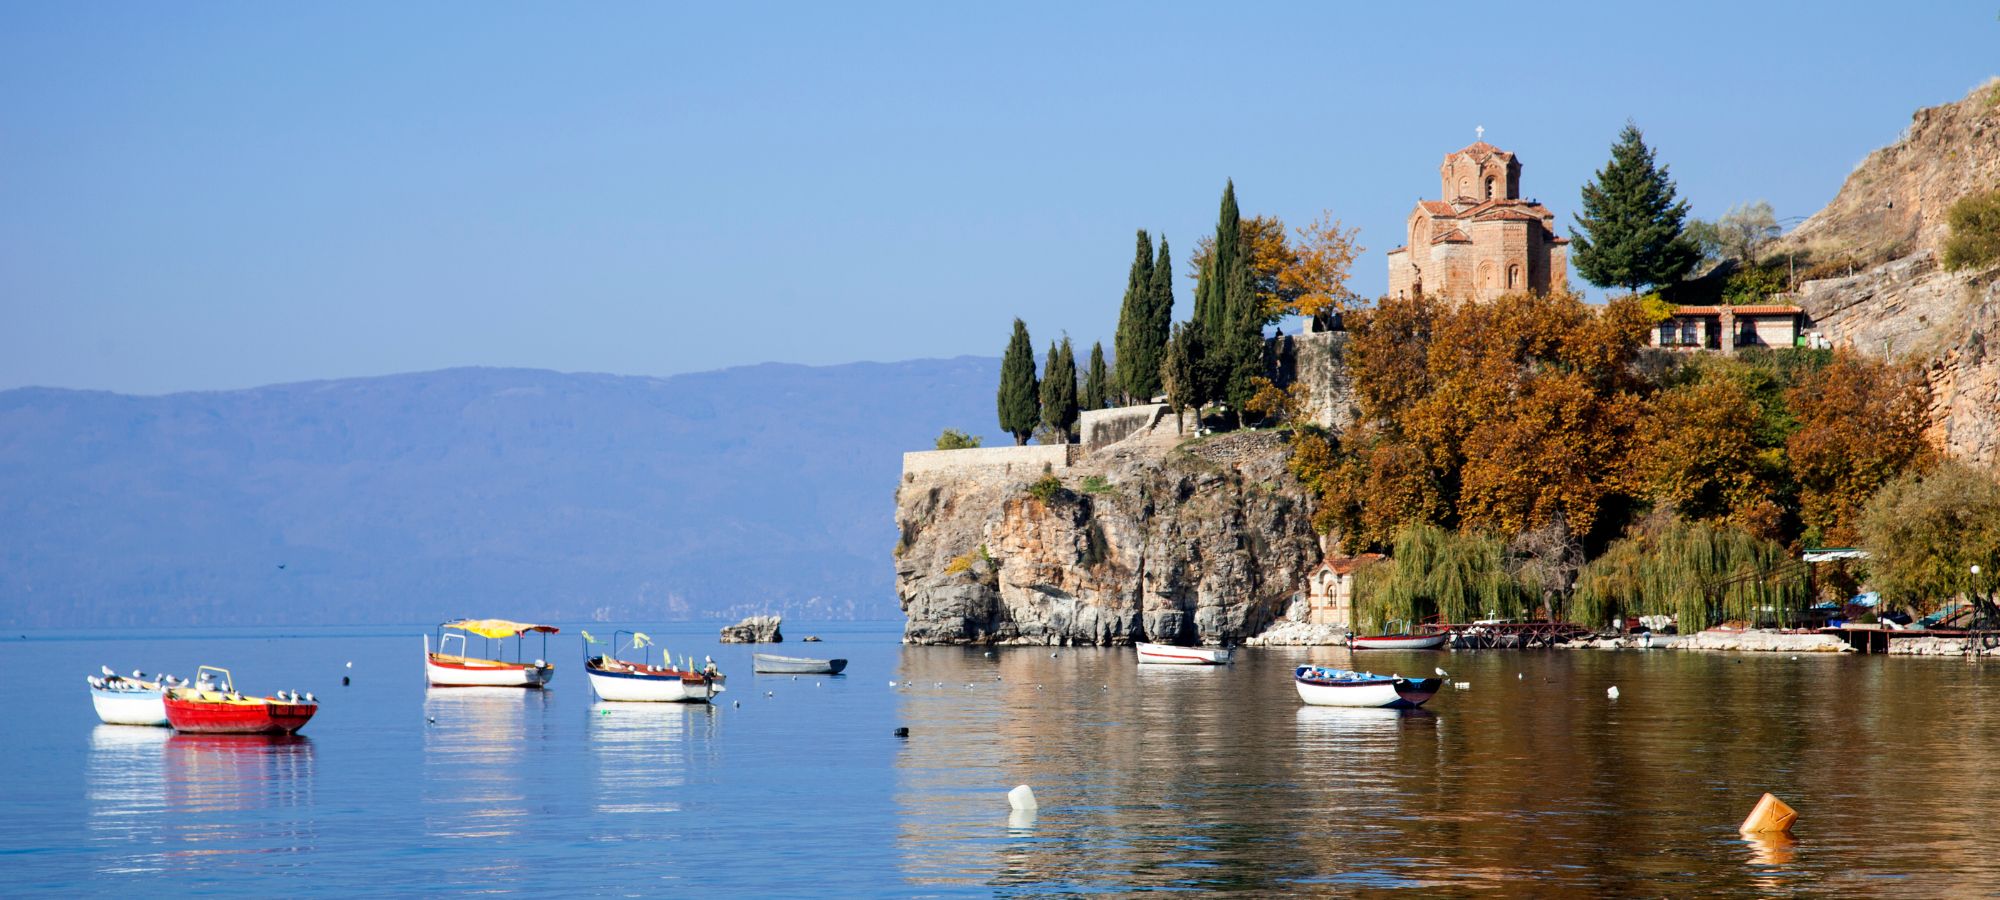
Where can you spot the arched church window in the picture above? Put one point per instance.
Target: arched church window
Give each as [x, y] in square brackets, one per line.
[1489, 187]
[1514, 277]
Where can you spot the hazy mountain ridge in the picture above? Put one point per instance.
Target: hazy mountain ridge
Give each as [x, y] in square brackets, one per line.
[469, 491]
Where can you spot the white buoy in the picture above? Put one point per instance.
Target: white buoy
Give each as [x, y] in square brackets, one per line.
[892, 684]
[1520, 675]
[1612, 693]
[1022, 797]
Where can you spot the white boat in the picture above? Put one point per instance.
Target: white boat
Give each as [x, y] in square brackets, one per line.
[444, 668]
[1398, 641]
[622, 680]
[772, 664]
[1325, 686]
[1167, 655]
[128, 701]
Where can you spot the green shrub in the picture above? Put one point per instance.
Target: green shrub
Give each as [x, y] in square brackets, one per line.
[954, 439]
[1975, 232]
[1753, 283]
[1095, 484]
[1047, 489]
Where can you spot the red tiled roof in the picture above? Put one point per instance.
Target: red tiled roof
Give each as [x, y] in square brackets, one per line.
[1342, 565]
[1452, 236]
[1437, 208]
[1480, 150]
[1510, 214]
[1766, 310]
[1399, 250]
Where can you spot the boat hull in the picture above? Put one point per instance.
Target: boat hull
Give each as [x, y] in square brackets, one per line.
[767, 664]
[137, 707]
[1367, 693]
[1399, 641]
[238, 717]
[650, 688]
[461, 672]
[1166, 655]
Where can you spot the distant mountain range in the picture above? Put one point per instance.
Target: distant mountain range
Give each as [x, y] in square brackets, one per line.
[483, 492]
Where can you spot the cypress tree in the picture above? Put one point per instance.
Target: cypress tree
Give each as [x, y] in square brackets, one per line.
[1213, 364]
[1180, 373]
[1059, 410]
[1096, 381]
[1133, 321]
[1020, 401]
[1159, 316]
[1632, 225]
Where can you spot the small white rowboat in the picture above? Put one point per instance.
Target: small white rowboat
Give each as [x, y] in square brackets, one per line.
[1167, 655]
[772, 664]
[125, 701]
[1323, 686]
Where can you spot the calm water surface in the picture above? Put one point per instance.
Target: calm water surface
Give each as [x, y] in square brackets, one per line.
[1150, 778]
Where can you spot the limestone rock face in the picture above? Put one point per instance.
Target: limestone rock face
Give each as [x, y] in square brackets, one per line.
[754, 630]
[1205, 542]
[1890, 217]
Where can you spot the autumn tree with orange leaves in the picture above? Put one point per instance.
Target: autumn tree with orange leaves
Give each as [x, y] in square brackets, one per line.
[1301, 274]
[1861, 423]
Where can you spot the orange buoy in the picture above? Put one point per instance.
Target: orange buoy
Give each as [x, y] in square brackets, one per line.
[1771, 816]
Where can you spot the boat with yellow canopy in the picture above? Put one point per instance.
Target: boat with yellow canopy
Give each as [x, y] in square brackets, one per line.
[444, 668]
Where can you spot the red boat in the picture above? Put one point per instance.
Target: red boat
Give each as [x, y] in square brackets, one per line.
[213, 706]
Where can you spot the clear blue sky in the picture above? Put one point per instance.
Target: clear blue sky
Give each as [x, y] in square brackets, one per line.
[218, 195]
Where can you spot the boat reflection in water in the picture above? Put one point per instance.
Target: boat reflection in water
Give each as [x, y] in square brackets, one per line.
[125, 793]
[478, 766]
[641, 752]
[237, 797]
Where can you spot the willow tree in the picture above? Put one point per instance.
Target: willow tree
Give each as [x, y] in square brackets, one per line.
[1432, 572]
[1700, 574]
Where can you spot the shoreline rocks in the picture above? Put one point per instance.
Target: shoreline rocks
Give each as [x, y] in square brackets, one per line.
[754, 630]
[1150, 539]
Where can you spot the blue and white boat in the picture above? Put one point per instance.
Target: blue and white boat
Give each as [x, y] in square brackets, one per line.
[1326, 686]
[128, 701]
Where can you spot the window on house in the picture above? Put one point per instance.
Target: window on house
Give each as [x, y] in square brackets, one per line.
[1690, 333]
[1667, 333]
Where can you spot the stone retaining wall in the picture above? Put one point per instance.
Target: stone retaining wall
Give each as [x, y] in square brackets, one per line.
[1768, 641]
[1103, 427]
[1020, 461]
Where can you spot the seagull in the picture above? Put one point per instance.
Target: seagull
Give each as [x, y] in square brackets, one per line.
[309, 697]
[1441, 673]
[431, 719]
[1520, 675]
[768, 694]
[1612, 693]
[108, 672]
[281, 565]
[350, 664]
[739, 704]
[892, 684]
[1053, 655]
[138, 675]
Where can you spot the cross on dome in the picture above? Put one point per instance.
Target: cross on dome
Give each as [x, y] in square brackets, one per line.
[1479, 132]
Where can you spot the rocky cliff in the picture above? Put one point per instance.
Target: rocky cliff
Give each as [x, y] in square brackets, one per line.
[1203, 541]
[1889, 223]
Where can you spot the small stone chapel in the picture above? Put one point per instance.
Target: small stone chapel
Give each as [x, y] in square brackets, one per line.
[1482, 240]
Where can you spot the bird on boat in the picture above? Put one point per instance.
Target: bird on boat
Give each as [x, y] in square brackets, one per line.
[107, 672]
[138, 675]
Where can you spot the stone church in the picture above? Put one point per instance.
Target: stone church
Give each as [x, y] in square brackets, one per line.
[1482, 240]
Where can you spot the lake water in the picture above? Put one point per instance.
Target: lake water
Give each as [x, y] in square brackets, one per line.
[1149, 778]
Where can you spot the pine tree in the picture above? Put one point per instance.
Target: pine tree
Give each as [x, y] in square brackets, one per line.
[1632, 225]
[1096, 381]
[1159, 317]
[1020, 400]
[1059, 410]
[1133, 321]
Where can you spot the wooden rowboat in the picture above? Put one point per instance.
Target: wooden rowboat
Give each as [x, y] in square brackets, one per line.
[1399, 641]
[215, 707]
[1168, 655]
[772, 664]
